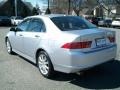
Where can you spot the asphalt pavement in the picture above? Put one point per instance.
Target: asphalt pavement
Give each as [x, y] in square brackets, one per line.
[16, 73]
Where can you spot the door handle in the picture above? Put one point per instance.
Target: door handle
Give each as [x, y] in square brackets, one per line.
[20, 35]
[37, 36]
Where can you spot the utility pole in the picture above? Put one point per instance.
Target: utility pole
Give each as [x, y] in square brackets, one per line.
[15, 8]
[48, 4]
[69, 2]
[48, 8]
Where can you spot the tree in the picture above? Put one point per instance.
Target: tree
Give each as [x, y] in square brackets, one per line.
[107, 5]
[118, 1]
[34, 11]
[77, 6]
[48, 11]
[38, 9]
[60, 6]
[118, 8]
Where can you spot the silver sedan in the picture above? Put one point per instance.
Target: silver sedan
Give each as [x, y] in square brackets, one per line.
[61, 43]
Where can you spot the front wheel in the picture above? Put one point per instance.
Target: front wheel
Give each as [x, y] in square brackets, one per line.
[44, 64]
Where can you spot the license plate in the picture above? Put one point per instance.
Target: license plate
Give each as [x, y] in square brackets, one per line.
[100, 42]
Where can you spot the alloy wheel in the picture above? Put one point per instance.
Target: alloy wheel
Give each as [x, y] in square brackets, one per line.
[43, 64]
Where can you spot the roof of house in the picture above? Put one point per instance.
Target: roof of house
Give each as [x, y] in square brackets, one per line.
[29, 5]
[2, 3]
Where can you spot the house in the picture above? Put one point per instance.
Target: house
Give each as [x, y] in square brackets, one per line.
[7, 8]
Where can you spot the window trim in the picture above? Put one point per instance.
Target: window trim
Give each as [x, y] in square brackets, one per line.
[23, 22]
[30, 20]
[43, 24]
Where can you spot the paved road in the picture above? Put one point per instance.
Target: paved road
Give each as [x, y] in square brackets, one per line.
[17, 73]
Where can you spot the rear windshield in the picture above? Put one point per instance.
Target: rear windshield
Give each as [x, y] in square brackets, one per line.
[69, 23]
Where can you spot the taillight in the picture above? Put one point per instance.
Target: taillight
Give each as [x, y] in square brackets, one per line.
[111, 36]
[91, 21]
[111, 39]
[77, 45]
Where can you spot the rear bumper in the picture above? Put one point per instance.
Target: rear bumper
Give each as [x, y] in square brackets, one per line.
[116, 25]
[76, 61]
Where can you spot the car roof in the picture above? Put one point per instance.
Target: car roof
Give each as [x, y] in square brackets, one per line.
[54, 15]
[47, 16]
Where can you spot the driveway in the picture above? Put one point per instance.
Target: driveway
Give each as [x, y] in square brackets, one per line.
[16, 73]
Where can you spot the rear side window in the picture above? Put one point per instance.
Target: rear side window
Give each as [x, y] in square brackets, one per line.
[69, 23]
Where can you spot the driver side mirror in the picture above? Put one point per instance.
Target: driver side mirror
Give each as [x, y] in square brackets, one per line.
[13, 29]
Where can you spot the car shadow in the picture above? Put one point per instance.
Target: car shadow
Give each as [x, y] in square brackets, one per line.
[105, 76]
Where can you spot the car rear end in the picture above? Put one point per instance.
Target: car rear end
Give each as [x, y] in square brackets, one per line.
[101, 23]
[108, 22]
[116, 23]
[77, 50]
[87, 51]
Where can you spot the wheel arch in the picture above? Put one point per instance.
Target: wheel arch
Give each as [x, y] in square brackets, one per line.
[36, 54]
[6, 38]
[39, 50]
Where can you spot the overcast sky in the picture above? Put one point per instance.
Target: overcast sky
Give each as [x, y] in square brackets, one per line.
[34, 2]
[39, 2]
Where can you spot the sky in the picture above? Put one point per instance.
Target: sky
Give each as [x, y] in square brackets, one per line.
[39, 2]
[33, 2]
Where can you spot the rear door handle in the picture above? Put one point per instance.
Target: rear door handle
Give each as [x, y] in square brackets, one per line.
[20, 35]
[37, 36]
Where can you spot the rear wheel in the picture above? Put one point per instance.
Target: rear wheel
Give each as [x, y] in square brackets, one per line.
[44, 64]
[8, 46]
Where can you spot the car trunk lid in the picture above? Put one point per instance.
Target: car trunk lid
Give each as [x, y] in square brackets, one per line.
[90, 39]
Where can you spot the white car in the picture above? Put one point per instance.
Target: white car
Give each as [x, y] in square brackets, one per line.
[116, 22]
[105, 22]
[16, 20]
[61, 43]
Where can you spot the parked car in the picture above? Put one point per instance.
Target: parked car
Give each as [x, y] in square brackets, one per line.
[95, 20]
[105, 22]
[89, 19]
[61, 43]
[5, 20]
[116, 22]
[16, 20]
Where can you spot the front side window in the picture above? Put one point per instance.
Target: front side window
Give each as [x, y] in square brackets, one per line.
[23, 26]
[69, 23]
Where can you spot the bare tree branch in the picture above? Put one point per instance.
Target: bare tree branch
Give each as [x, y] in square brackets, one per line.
[117, 1]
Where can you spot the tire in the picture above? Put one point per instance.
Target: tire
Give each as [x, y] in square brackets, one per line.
[8, 46]
[113, 27]
[44, 65]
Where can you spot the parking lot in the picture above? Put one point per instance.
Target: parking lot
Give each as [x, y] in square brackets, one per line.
[16, 73]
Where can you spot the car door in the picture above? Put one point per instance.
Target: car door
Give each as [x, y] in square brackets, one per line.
[32, 37]
[18, 36]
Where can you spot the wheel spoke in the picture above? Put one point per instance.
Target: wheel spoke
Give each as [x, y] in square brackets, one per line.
[40, 63]
[8, 46]
[46, 63]
[40, 58]
[46, 67]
